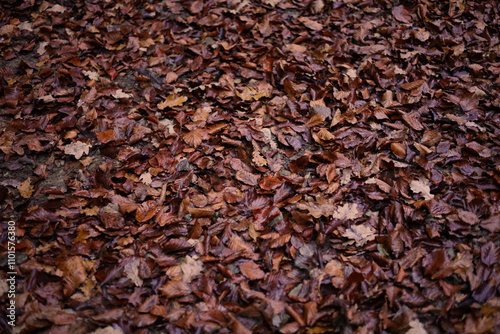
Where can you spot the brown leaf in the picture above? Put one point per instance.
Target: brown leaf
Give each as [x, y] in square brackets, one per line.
[248, 178]
[401, 14]
[174, 289]
[431, 138]
[74, 273]
[26, 189]
[313, 25]
[171, 101]
[399, 150]
[310, 311]
[411, 120]
[412, 85]
[106, 136]
[194, 137]
[319, 107]
[251, 270]
[146, 211]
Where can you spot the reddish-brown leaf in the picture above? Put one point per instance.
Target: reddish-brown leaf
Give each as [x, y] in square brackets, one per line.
[251, 270]
[146, 211]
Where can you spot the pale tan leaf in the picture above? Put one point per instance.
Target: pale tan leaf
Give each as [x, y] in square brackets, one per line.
[91, 75]
[108, 330]
[420, 186]
[191, 268]
[416, 327]
[255, 91]
[77, 149]
[131, 270]
[171, 101]
[120, 94]
[361, 234]
[347, 211]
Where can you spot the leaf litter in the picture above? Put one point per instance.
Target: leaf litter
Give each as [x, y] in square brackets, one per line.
[251, 167]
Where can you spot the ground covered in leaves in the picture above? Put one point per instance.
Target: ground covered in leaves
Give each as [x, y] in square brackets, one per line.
[244, 166]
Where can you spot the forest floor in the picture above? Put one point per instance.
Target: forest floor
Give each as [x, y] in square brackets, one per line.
[244, 166]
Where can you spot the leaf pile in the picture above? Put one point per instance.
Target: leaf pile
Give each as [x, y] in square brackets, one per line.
[251, 166]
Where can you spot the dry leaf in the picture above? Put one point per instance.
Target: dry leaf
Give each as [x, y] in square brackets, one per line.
[173, 289]
[313, 25]
[77, 149]
[420, 186]
[416, 328]
[255, 90]
[108, 330]
[347, 211]
[120, 94]
[251, 270]
[248, 178]
[361, 234]
[171, 101]
[131, 270]
[191, 268]
[26, 189]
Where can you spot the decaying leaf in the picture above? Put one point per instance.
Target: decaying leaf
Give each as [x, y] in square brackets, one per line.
[77, 149]
[361, 234]
[251, 270]
[26, 189]
[173, 289]
[191, 268]
[255, 90]
[421, 187]
[131, 269]
[171, 101]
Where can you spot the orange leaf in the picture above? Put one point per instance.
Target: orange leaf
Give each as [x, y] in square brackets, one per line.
[106, 136]
[26, 189]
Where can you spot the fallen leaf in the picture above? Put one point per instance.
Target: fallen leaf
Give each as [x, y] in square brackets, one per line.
[248, 178]
[347, 211]
[131, 270]
[108, 330]
[313, 25]
[174, 289]
[191, 268]
[421, 187]
[26, 189]
[361, 234]
[77, 149]
[171, 101]
[120, 94]
[416, 327]
[251, 270]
